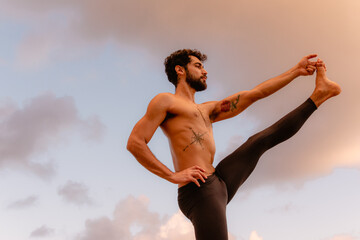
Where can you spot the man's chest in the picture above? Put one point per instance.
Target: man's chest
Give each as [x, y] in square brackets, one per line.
[195, 113]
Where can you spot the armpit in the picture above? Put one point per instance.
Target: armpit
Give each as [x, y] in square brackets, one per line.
[168, 116]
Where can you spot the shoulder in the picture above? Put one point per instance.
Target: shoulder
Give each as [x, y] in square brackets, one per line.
[161, 101]
[163, 96]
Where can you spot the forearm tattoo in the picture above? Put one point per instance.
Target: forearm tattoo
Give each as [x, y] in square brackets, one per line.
[196, 138]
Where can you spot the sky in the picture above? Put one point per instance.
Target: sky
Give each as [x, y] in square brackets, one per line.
[77, 75]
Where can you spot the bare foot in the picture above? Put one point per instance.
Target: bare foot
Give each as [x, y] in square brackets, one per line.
[325, 88]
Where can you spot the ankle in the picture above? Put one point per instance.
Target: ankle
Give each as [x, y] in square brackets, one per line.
[317, 98]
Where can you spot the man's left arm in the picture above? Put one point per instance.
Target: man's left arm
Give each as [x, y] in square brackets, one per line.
[236, 103]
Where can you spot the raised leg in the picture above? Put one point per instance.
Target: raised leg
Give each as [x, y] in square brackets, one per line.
[238, 166]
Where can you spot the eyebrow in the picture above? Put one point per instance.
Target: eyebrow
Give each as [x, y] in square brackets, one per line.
[199, 63]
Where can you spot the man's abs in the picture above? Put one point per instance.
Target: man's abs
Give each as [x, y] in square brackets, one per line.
[192, 145]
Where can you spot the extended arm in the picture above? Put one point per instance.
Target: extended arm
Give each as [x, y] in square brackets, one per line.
[234, 104]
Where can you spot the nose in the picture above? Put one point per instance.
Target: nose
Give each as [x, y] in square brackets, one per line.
[204, 71]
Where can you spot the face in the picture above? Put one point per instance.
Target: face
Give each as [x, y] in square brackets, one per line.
[196, 74]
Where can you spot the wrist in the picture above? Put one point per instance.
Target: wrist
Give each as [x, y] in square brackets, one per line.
[295, 71]
[170, 177]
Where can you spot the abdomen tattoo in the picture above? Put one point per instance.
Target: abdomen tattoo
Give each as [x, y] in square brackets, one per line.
[196, 138]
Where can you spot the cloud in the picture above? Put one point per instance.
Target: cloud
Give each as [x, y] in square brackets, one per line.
[75, 193]
[23, 203]
[179, 228]
[43, 121]
[282, 209]
[133, 213]
[255, 236]
[92, 128]
[42, 231]
[344, 237]
[230, 27]
[247, 43]
[128, 212]
[321, 146]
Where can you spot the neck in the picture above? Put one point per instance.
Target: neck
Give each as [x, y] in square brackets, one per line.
[183, 90]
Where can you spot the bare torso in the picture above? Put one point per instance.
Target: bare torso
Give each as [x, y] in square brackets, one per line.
[189, 130]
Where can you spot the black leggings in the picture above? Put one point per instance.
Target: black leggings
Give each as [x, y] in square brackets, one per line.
[205, 206]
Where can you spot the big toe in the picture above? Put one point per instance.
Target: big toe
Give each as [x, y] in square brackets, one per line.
[320, 70]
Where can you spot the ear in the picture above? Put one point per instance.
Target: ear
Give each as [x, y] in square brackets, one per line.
[179, 70]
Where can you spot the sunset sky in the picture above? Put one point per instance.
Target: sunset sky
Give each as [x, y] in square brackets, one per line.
[77, 75]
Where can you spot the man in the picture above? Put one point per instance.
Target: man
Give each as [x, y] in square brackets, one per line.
[204, 191]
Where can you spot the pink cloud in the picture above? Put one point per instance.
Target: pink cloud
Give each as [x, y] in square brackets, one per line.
[254, 236]
[230, 26]
[344, 237]
[246, 42]
[132, 212]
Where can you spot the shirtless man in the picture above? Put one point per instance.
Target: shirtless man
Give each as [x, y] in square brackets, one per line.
[204, 191]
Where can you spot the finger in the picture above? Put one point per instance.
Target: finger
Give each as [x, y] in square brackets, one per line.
[197, 167]
[311, 67]
[311, 56]
[196, 182]
[198, 175]
[204, 175]
[310, 71]
[201, 178]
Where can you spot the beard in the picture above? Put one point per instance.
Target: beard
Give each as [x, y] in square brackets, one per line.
[195, 83]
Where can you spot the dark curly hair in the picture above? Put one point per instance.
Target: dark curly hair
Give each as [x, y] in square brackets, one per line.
[181, 58]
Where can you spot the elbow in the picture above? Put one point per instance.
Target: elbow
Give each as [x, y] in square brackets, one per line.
[255, 95]
[130, 145]
[133, 145]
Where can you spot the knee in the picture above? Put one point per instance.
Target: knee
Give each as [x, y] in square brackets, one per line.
[258, 142]
[255, 139]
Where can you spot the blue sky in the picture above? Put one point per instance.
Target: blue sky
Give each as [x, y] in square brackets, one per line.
[76, 76]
